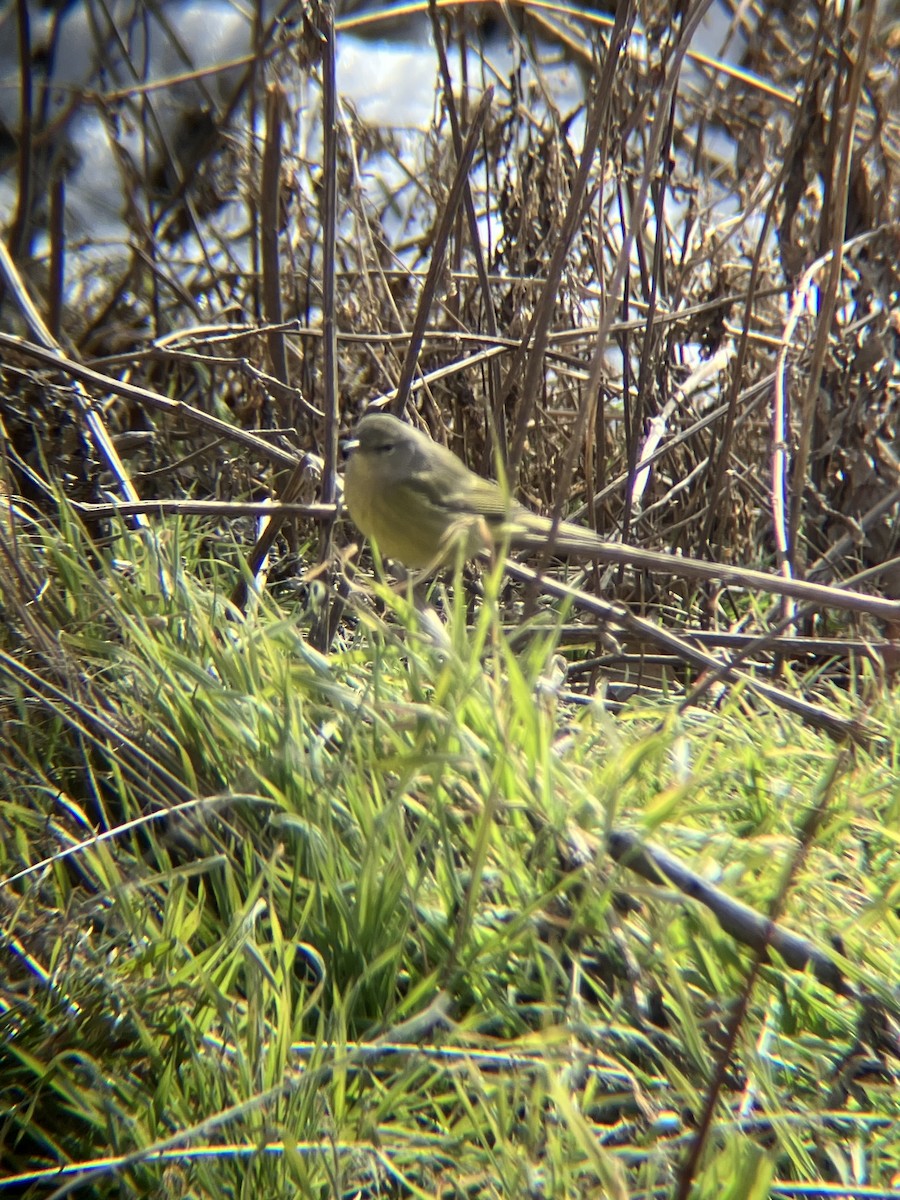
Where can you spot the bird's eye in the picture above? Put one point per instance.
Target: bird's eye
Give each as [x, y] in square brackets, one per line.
[383, 447]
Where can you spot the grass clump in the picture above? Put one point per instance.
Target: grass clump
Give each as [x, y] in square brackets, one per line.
[309, 924]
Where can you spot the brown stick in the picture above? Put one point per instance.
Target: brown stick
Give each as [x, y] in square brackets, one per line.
[435, 267]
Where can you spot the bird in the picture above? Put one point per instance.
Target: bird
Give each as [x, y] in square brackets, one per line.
[421, 504]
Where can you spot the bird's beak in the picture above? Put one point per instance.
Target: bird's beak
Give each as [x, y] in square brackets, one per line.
[348, 445]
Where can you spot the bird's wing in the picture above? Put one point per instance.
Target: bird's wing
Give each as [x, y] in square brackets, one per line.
[457, 490]
[486, 499]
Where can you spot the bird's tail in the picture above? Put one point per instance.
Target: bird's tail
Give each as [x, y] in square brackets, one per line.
[532, 532]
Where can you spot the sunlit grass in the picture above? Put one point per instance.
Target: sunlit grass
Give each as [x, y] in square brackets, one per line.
[351, 925]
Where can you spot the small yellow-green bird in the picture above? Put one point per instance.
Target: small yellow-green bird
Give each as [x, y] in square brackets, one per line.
[420, 503]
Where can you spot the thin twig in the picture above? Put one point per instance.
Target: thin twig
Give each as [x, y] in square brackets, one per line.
[152, 400]
[439, 247]
[837, 726]
[836, 215]
[766, 934]
[270, 224]
[740, 921]
[526, 383]
[682, 567]
[103, 444]
[494, 410]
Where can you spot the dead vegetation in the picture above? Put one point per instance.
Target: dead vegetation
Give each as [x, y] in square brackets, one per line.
[690, 268]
